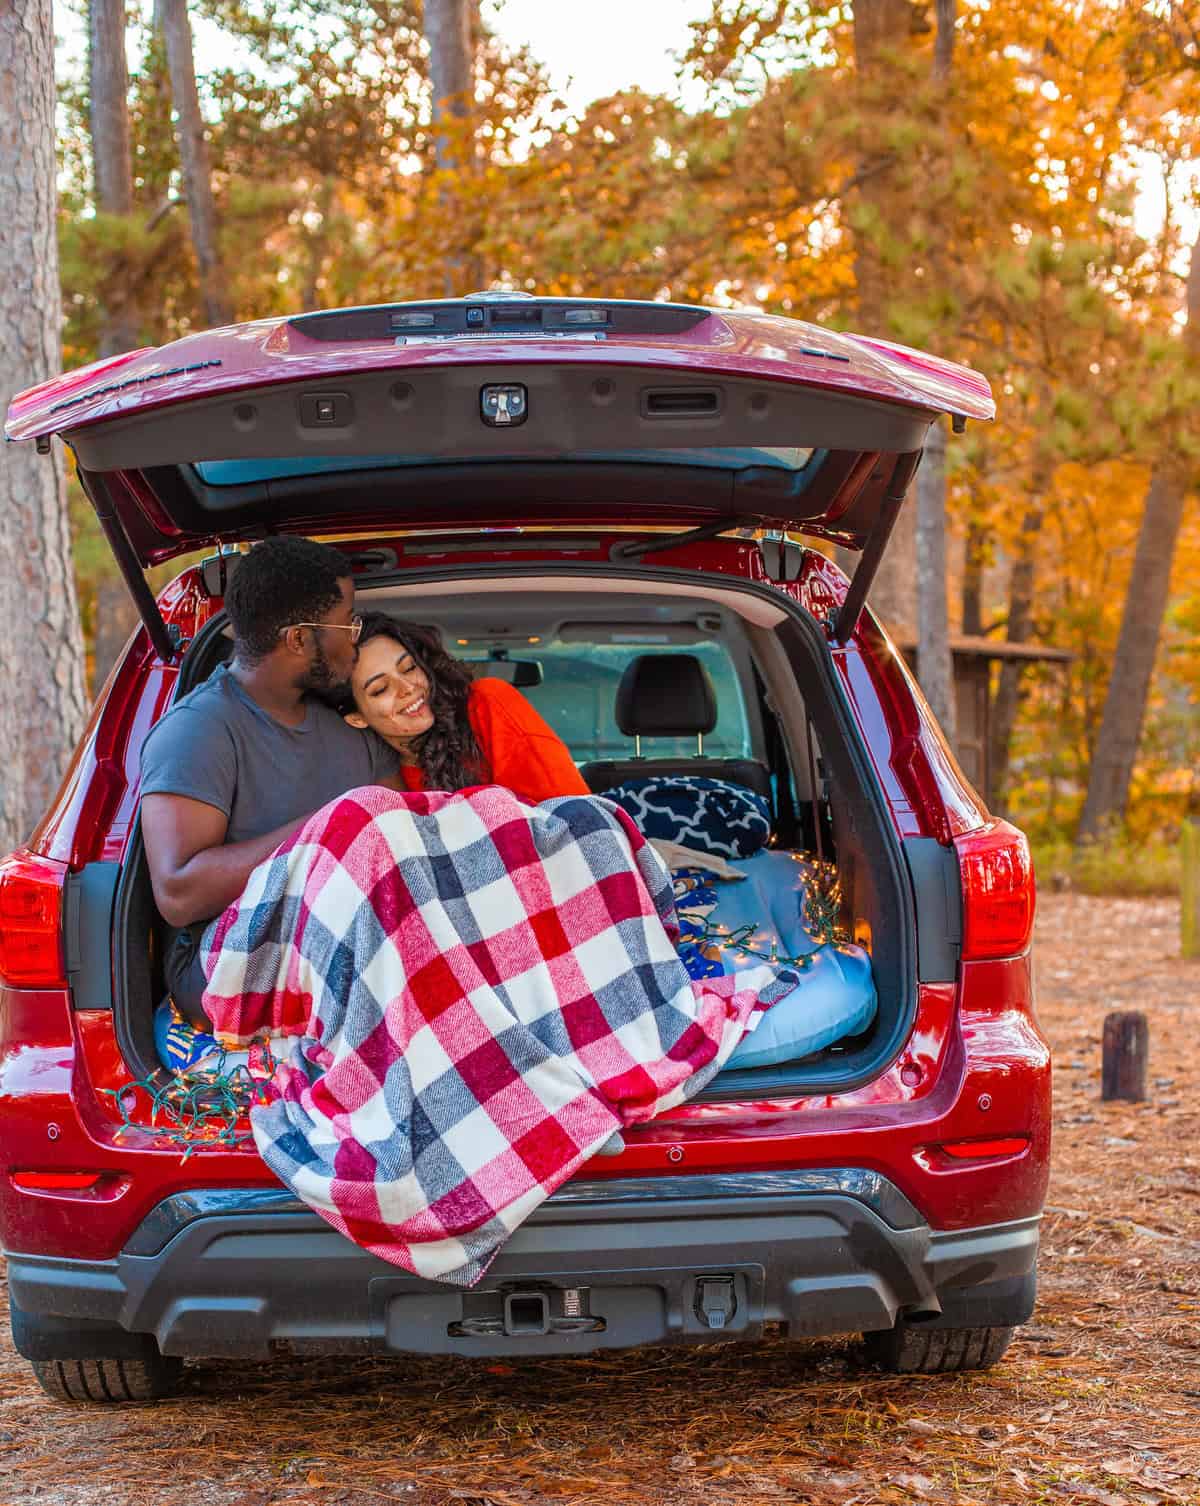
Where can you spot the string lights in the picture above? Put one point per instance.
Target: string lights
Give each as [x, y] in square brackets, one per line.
[196, 1110]
[820, 908]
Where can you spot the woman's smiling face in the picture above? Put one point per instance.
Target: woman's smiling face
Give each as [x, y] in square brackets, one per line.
[391, 693]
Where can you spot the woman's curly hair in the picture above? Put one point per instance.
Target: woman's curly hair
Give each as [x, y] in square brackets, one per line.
[448, 755]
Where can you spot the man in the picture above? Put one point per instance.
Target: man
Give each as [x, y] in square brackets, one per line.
[241, 762]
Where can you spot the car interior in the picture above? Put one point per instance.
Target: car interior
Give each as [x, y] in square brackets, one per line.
[610, 663]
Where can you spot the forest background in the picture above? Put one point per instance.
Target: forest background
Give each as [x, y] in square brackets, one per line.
[1008, 184]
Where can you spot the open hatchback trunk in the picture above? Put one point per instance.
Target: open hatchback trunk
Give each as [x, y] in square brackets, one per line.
[548, 479]
[495, 409]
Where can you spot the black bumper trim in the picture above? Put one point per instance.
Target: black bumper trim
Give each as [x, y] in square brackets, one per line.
[242, 1283]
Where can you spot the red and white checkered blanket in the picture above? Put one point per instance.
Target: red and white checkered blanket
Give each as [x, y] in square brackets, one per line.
[480, 993]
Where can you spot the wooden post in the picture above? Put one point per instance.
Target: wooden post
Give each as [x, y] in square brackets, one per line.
[1126, 1056]
[1189, 865]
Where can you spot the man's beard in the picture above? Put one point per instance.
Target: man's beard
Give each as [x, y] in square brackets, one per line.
[319, 678]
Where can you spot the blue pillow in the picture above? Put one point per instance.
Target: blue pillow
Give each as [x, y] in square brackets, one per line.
[711, 815]
[835, 997]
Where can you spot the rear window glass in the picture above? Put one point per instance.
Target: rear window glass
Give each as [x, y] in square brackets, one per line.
[244, 472]
[578, 696]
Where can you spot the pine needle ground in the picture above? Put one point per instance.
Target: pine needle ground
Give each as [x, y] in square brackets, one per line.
[1097, 1402]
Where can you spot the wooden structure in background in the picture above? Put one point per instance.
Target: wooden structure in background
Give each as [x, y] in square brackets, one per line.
[973, 658]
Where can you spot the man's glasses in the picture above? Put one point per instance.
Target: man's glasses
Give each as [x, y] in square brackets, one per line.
[354, 627]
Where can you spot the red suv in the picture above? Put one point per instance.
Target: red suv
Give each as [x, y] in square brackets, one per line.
[559, 485]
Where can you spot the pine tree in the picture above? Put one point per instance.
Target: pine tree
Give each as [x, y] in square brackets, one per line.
[171, 18]
[41, 651]
[112, 166]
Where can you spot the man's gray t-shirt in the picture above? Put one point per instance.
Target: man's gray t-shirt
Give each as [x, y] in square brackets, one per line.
[218, 745]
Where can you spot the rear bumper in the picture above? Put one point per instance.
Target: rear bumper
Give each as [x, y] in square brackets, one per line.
[601, 1265]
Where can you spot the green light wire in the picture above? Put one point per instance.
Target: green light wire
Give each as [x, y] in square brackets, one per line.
[200, 1111]
[822, 905]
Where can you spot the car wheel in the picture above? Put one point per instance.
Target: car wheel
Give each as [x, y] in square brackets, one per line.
[107, 1382]
[919, 1349]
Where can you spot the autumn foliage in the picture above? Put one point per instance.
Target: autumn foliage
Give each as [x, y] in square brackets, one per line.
[978, 179]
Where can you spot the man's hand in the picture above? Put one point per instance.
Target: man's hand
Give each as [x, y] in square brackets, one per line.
[194, 872]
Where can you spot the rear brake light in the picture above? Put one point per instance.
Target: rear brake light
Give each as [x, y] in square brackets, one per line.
[31, 902]
[998, 892]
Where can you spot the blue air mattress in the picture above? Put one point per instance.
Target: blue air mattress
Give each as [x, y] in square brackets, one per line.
[731, 923]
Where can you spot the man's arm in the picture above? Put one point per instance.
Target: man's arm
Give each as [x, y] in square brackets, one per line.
[194, 872]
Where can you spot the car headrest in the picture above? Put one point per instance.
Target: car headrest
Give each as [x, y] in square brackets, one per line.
[216, 570]
[666, 695]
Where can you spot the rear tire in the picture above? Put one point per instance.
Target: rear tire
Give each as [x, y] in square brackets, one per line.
[109, 1382]
[921, 1349]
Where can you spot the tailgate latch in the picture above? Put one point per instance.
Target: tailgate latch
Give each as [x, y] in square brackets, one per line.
[716, 1300]
[503, 405]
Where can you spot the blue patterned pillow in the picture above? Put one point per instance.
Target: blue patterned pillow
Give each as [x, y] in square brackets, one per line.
[710, 815]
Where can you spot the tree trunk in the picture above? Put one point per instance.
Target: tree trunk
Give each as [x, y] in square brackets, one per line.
[933, 623]
[41, 648]
[972, 582]
[451, 29]
[933, 636]
[318, 244]
[1137, 647]
[894, 593]
[172, 19]
[113, 619]
[1020, 624]
[943, 46]
[882, 26]
[112, 161]
[108, 82]
[878, 25]
[1141, 620]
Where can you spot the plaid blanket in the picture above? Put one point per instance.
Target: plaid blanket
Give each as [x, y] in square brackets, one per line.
[480, 993]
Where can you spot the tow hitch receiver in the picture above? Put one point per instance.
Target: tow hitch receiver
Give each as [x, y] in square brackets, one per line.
[716, 1300]
[526, 1312]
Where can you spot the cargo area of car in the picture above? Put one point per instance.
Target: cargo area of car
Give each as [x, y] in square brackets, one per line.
[564, 634]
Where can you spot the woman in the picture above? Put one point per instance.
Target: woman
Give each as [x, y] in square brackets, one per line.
[452, 731]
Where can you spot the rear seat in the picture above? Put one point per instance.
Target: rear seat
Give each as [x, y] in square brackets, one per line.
[670, 695]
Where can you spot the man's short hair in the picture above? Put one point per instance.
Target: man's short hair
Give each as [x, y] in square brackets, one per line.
[281, 581]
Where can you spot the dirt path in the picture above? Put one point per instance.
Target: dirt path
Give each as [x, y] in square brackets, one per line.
[1098, 1401]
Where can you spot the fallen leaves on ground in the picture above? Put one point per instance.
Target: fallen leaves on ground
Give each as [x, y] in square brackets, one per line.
[1096, 1404]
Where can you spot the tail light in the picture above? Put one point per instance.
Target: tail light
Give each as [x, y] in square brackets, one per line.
[998, 891]
[31, 931]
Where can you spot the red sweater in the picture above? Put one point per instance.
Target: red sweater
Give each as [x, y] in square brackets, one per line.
[520, 749]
